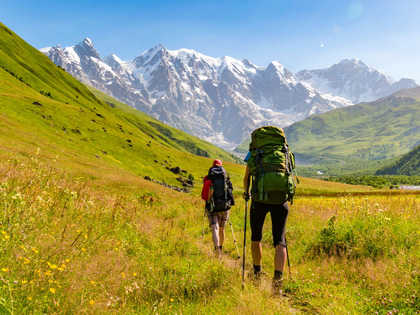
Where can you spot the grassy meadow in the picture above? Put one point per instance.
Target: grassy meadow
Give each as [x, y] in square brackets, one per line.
[123, 245]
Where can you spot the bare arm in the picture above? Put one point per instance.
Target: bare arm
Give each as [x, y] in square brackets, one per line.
[247, 180]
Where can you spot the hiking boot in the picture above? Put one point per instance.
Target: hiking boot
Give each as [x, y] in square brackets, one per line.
[255, 277]
[277, 287]
[217, 251]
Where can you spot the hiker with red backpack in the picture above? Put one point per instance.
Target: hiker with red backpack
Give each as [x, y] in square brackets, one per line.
[217, 192]
[270, 164]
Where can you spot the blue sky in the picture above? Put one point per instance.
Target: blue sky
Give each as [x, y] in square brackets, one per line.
[300, 34]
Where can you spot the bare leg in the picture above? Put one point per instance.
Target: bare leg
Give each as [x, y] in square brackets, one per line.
[215, 234]
[280, 257]
[221, 235]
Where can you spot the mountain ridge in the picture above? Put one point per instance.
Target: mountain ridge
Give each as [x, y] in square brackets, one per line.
[357, 75]
[218, 99]
[222, 100]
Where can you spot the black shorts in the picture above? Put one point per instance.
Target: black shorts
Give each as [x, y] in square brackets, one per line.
[278, 214]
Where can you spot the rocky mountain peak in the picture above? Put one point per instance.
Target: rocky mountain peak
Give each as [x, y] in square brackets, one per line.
[353, 80]
[86, 48]
[112, 58]
[151, 56]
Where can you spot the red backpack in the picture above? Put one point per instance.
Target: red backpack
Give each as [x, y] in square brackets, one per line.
[205, 192]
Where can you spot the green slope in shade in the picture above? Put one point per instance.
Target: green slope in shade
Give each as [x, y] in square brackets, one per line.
[408, 164]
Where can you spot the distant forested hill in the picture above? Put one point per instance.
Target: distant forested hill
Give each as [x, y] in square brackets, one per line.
[409, 164]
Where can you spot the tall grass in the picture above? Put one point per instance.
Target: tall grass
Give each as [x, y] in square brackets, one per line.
[358, 252]
[127, 246]
[70, 246]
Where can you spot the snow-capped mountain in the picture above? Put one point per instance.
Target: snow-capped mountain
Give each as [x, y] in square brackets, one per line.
[353, 80]
[221, 100]
[84, 63]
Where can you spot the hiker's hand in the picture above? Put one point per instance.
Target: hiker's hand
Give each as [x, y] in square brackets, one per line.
[246, 196]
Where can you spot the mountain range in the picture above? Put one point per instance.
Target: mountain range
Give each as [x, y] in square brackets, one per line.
[222, 99]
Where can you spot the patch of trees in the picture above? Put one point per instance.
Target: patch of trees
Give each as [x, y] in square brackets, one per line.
[15, 75]
[409, 164]
[386, 181]
[47, 94]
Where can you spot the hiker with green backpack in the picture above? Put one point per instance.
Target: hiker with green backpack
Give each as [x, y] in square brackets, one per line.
[270, 164]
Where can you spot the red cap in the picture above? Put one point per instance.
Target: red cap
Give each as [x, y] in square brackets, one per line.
[217, 162]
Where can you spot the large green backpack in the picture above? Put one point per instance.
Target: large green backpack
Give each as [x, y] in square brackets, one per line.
[271, 165]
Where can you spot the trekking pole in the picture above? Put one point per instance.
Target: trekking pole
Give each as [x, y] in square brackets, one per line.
[234, 239]
[287, 253]
[244, 250]
[204, 222]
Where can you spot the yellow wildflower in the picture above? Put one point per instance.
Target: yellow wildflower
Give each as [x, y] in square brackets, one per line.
[91, 302]
[52, 266]
[52, 290]
[5, 269]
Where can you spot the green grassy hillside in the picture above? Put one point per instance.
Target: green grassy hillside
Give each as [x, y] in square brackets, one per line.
[44, 107]
[382, 129]
[408, 164]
